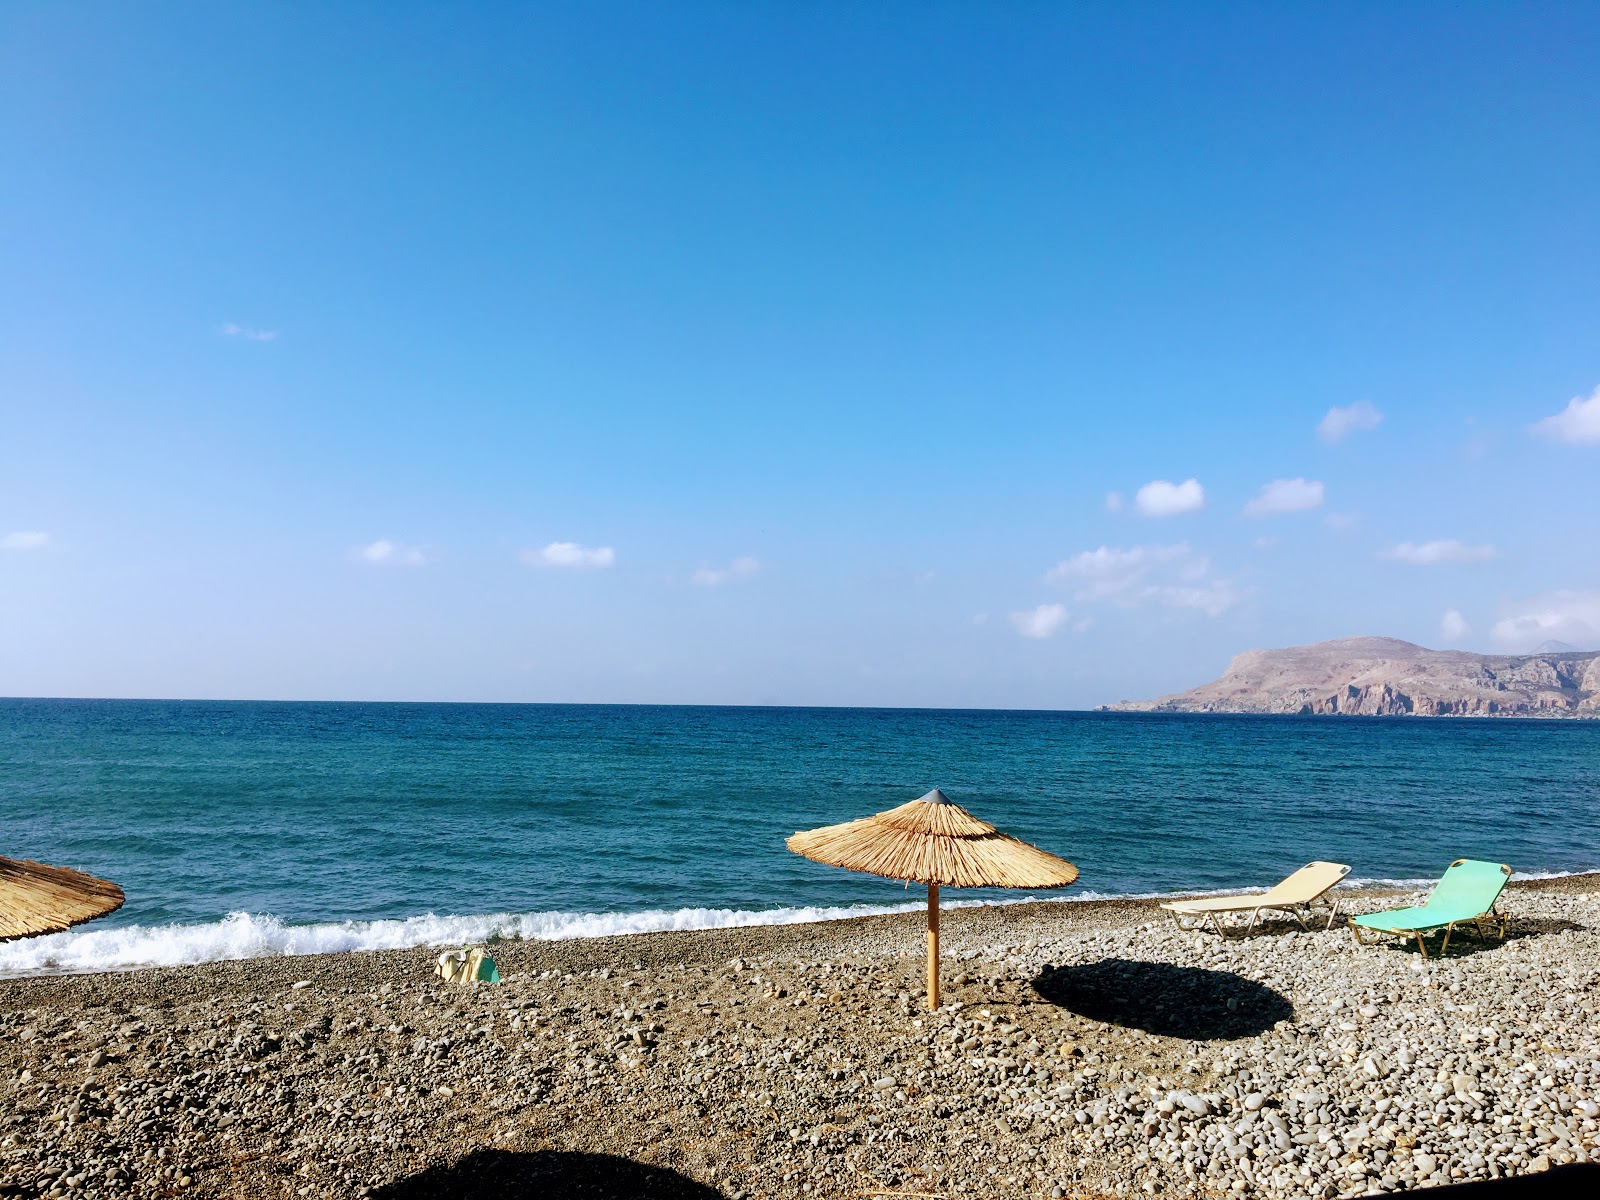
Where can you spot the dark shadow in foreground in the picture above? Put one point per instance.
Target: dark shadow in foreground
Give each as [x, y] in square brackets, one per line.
[1575, 1179]
[545, 1175]
[1184, 1002]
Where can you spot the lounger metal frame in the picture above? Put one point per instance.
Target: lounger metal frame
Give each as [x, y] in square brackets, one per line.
[1299, 912]
[1481, 925]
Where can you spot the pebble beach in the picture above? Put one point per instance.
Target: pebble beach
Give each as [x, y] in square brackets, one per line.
[1084, 1049]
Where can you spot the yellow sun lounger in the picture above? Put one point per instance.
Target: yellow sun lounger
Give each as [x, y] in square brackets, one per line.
[1294, 897]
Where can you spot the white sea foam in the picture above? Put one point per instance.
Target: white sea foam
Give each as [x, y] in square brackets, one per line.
[250, 935]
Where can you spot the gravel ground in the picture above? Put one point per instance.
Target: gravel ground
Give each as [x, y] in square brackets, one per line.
[1084, 1049]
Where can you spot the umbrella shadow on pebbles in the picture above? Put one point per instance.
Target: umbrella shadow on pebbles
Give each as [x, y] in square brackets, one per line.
[1160, 998]
[546, 1174]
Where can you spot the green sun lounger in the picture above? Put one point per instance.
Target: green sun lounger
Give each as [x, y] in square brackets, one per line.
[1465, 895]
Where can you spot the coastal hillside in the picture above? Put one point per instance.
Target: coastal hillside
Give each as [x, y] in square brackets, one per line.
[1379, 676]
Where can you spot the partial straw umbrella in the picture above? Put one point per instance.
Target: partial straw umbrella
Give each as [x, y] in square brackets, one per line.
[37, 899]
[934, 841]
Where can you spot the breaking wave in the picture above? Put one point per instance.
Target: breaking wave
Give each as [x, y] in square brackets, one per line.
[251, 935]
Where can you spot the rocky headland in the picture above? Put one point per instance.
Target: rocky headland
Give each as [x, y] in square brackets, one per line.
[1378, 676]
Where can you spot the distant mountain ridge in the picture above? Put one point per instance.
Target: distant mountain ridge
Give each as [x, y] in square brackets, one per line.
[1379, 676]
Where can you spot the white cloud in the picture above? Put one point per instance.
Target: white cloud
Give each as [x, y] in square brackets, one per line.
[387, 553]
[980, 618]
[1285, 496]
[1114, 502]
[1340, 520]
[1563, 616]
[717, 576]
[1578, 423]
[1172, 576]
[1432, 554]
[571, 555]
[1453, 626]
[1108, 573]
[1161, 498]
[1040, 622]
[249, 335]
[30, 539]
[1339, 423]
[1264, 543]
[1212, 598]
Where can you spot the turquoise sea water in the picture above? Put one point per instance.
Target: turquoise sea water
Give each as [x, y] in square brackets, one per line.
[244, 828]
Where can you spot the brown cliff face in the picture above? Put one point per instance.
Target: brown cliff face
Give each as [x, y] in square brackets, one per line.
[1374, 676]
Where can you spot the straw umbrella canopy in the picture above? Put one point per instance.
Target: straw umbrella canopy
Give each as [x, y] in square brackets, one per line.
[934, 841]
[35, 898]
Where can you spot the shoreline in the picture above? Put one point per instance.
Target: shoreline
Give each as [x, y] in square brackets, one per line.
[1086, 1048]
[1577, 881]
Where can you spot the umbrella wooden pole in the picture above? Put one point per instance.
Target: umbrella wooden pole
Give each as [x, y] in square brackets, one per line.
[933, 945]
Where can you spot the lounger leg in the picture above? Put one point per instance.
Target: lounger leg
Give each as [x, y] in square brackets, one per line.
[1254, 914]
[1448, 930]
[1422, 945]
[1333, 912]
[1355, 932]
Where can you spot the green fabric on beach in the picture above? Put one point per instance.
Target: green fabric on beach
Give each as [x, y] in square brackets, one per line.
[1468, 889]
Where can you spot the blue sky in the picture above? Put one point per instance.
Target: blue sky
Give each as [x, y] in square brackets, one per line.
[806, 353]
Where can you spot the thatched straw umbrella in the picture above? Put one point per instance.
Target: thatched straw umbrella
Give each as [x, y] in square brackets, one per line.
[934, 841]
[37, 899]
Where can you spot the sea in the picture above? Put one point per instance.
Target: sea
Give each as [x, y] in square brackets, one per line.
[240, 829]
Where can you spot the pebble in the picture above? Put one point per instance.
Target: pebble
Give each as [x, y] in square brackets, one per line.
[1092, 1049]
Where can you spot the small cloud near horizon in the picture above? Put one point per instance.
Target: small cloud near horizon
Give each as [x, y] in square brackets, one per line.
[739, 568]
[1437, 553]
[1040, 622]
[1567, 615]
[1285, 496]
[1339, 423]
[1578, 424]
[1163, 498]
[25, 539]
[1114, 502]
[249, 334]
[572, 556]
[386, 552]
[1453, 626]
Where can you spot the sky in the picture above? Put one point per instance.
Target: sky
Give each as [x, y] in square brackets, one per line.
[930, 354]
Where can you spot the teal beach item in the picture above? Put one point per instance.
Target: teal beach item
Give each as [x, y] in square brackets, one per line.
[470, 964]
[1465, 895]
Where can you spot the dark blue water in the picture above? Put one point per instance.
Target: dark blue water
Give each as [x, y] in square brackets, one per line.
[573, 817]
